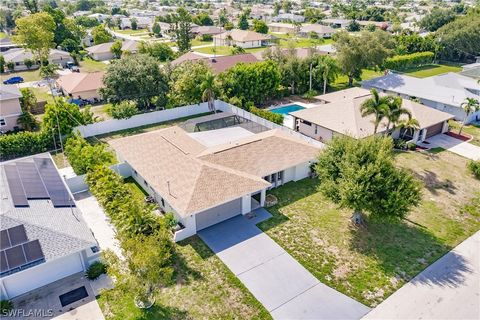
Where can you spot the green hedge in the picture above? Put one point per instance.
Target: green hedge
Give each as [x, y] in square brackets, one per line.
[23, 144]
[409, 61]
[266, 114]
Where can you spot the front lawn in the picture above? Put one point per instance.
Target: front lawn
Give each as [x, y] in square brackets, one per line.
[302, 42]
[471, 129]
[220, 50]
[204, 289]
[132, 32]
[90, 65]
[432, 70]
[370, 263]
[28, 75]
[199, 42]
[341, 83]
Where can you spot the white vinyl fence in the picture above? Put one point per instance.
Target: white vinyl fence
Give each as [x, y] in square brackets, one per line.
[77, 184]
[139, 120]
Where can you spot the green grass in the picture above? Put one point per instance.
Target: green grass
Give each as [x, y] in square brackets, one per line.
[29, 75]
[198, 42]
[341, 82]
[42, 94]
[135, 188]
[370, 263]
[472, 130]
[2, 35]
[221, 50]
[203, 289]
[89, 65]
[147, 128]
[302, 42]
[132, 32]
[432, 70]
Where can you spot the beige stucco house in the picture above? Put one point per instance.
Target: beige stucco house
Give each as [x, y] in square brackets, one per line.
[340, 114]
[241, 38]
[19, 55]
[102, 52]
[81, 85]
[10, 108]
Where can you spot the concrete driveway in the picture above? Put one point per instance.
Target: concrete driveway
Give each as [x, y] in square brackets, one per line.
[454, 145]
[448, 289]
[279, 282]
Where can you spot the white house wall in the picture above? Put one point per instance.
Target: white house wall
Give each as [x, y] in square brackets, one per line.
[289, 174]
[302, 171]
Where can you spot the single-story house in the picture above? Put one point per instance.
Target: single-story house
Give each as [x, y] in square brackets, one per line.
[10, 107]
[472, 70]
[336, 23]
[321, 30]
[203, 30]
[209, 176]
[83, 85]
[281, 27]
[7, 44]
[444, 92]
[288, 17]
[301, 53]
[241, 38]
[101, 17]
[44, 237]
[217, 64]
[142, 22]
[102, 52]
[341, 115]
[19, 55]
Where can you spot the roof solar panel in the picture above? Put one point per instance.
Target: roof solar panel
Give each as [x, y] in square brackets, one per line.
[17, 235]
[15, 186]
[15, 257]
[33, 251]
[54, 184]
[4, 240]
[31, 181]
[3, 262]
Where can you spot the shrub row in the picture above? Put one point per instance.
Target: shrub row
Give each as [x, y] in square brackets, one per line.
[474, 168]
[408, 61]
[266, 114]
[24, 143]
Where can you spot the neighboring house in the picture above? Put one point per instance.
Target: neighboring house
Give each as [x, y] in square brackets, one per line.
[341, 115]
[281, 27]
[99, 16]
[102, 52]
[321, 30]
[202, 30]
[336, 23]
[444, 92]
[217, 64]
[7, 44]
[19, 55]
[81, 85]
[142, 22]
[290, 17]
[472, 70]
[241, 38]
[209, 176]
[10, 107]
[43, 235]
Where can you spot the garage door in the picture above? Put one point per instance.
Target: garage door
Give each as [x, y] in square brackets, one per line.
[434, 130]
[43, 274]
[218, 214]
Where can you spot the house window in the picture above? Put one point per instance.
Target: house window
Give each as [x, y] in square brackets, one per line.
[162, 202]
[308, 123]
[145, 183]
[316, 129]
[135, 172]
[279, 175]
[2, 122]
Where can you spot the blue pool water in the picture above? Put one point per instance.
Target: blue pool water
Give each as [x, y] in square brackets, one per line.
[286, 109]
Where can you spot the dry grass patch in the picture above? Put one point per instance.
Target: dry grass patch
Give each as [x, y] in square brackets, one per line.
[370, 263]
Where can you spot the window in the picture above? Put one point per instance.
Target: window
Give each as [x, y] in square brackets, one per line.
[145, 183]
[279, 175]
[308, 123]
[135, 172]
[316, 129]
[162, 202]
[3, 122]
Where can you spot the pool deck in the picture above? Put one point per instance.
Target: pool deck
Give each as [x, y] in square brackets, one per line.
[288, 119]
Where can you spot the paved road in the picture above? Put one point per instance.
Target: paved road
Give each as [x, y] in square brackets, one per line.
[279, 282]
[448, 289]
[457, 146]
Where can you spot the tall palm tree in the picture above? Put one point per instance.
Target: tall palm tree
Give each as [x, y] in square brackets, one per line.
[470, 105]
[395, 111]
[409, 125]
[377, 106]
[208, 88]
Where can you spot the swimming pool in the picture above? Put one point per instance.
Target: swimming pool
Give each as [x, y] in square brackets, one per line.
[286, 109]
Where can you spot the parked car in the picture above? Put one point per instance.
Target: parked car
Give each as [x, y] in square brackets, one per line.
[13, 80]
[73, 67]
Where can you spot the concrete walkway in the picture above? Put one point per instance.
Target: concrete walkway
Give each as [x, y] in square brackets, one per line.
[278, 281]
[457, 146]
[448, 289]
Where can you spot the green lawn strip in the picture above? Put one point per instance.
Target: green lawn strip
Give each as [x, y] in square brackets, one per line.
[28, 75]
[472, 130]
[341, 83]
[42, 94]
[197, 42]
[143, 129]
[204, 289]
[370, 263]
[221, 50]
[89, 65]
[135, 188]
[432, 70]
[132, 32]
[2, 35]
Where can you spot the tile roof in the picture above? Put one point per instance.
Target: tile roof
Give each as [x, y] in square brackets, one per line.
[342, 114]
[193, 178]
[81, 82]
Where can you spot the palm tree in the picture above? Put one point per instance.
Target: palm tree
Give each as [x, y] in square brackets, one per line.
[409, 125]
[377, 106]
[470, 105]
[395, 111]
[208, 88]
